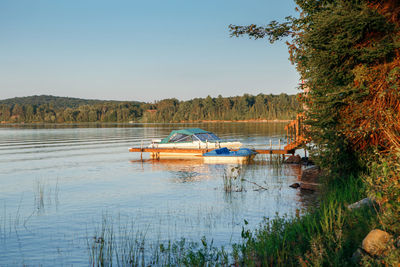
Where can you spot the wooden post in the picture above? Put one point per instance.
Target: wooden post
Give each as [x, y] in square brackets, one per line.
[287, 134]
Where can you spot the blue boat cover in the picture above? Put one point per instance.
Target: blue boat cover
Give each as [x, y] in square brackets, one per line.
[225, 152]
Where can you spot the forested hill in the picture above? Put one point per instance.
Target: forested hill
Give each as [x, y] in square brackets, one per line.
[54, 101]
[54, 109]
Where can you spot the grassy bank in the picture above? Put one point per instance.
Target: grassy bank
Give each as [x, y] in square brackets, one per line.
[327, 235]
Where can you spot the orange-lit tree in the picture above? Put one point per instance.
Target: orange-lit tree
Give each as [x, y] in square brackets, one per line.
[347, 52]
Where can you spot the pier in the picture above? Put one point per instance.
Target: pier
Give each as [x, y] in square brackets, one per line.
[202, 151]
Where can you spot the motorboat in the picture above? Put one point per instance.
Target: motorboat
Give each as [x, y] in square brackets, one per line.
[194, 139]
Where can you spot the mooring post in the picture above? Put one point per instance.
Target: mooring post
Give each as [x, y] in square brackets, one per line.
[141, 150]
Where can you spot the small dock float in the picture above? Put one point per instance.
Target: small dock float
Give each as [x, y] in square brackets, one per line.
[224, 155]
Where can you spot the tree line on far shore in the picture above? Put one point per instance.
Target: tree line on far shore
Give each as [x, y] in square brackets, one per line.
[52, 109]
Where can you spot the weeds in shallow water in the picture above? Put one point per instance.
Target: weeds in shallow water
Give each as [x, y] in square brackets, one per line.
[42, 190]
[39, 196]
[232, 179]
[13, 221]
[125, 246]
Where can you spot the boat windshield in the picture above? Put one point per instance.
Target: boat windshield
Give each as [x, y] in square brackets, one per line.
[180, 138]
[206, 137]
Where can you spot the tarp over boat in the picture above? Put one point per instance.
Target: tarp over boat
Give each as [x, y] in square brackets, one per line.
[225, 152]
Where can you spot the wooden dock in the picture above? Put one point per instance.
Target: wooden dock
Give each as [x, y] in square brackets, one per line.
[295, 133]
[202, 151]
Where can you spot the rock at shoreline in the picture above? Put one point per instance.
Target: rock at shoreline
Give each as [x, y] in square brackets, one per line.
[366, 202]
[309, 186]
[295, 185]
[293, 160]
[376, 242]
[311, 175]
[310, 178]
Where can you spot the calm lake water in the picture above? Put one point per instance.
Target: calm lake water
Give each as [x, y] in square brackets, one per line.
[58, 183]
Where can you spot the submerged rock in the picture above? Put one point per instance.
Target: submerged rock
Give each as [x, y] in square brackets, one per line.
[310, 178]
[295, 185]
[376, 242]
[293, 160]
[366, 202]
[309, 186]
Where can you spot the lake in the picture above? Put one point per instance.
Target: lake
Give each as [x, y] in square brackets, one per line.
[60, 184]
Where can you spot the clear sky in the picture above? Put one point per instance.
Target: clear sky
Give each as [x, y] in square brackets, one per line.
[140, 50]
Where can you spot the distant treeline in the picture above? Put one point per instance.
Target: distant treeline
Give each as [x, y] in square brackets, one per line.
[52, 109]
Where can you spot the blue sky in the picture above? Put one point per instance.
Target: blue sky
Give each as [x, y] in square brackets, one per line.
[140, 50]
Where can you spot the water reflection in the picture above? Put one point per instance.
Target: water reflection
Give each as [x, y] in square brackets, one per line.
[263, 174]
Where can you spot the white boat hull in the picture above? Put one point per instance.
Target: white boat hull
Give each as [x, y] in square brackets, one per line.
[199, 145]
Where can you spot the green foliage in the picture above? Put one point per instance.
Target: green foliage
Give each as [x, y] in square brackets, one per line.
[383, 182]
[60, 109]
